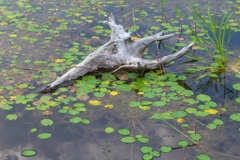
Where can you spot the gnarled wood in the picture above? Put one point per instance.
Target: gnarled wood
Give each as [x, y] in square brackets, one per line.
[120, 52]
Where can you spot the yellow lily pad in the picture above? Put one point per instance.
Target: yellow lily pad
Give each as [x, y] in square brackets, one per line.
[60, 60]
[108, 106]
[22, 86]
[114, 93]
[211, 111]
[95, 102]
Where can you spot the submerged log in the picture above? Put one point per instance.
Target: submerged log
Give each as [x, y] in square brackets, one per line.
[118, 53]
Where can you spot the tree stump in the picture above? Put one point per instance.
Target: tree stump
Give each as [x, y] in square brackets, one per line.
[118, 53]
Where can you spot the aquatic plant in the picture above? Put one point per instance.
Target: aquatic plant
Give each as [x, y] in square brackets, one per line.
[218, 34]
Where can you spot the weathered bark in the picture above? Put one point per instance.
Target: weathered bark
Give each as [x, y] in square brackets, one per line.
[120, 52]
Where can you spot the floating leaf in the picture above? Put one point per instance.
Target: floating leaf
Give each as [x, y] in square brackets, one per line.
[236, 86]
[144, 107]
[180, 120]
[195, 136]
[183, 143]
[11, 117]
[149, 95]
[6, 107]
[218, 122]
[46, 122]
[73, 112]
[166, 149]
[235, 116]
[146, 102]
[99, 94]
[159, 103]
[33, 130]
[143, 140]
[60, 60]
[134, 104]
[124, 132]
[146, 149]
[114, 93]
[203, 97]
[191, 110]
[201, 113]
[44, 135]
[211, 111]
[211, 126]
[211, 104]
[95, 102]
[109, 129]
[22, 86]
[179, 114]
[147, 156]
[85, 121]
[28, 153]
[203, 157]
[128, 139]
[47, 112]
[237, 100]
[75, 119]
[124, 87]
[108, 106]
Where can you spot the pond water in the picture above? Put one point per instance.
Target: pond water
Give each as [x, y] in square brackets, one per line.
[120, 116]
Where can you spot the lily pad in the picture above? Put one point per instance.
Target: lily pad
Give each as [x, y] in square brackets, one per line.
[44, 135]
[46, 122]
[203, 97]
[28, 153]
[128, 139]
[235, 116]
[124, 132]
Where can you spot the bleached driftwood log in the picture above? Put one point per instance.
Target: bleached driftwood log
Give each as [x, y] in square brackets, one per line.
[120, 52]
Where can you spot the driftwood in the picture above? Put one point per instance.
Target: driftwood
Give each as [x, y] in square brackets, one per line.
[120, 52]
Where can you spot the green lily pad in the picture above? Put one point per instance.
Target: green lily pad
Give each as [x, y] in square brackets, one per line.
[211, 126]
[44, 135]
[33, 130]
[143, 140]
[11, 117]
[46, 122]
[235, 116]
[203, 97]
[128, 139]
[179, 114]
[75, 119]
[166, 149]
[146, 149]
[147, 156]
[28, 153]
[203, 157]
[109, 130]
[218, 122]
[85, 121]
[124, 132]
[195, 136]
[236, 86]
[183, 143]
[134, 104]
[159, 103]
